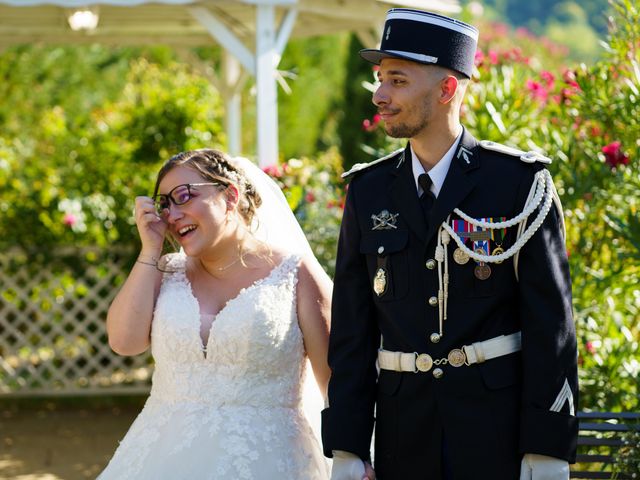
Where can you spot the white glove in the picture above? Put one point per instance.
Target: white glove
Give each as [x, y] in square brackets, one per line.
[542, 467]
[346, 466]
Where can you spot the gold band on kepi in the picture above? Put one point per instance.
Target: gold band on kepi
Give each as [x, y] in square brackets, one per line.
[426, 38]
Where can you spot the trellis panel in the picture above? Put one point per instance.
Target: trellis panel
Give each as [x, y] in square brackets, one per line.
[52, 324]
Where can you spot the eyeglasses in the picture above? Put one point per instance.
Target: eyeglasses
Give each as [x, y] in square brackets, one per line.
[178, 195]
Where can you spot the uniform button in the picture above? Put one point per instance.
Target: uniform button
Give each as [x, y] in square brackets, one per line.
[381, 250]
[435, 337]
[430, 264]
[433, 301]
[437, 373]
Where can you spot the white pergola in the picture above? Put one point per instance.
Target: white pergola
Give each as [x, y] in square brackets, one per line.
[253, 34]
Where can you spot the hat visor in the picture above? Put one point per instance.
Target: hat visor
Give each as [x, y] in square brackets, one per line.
[376, 56]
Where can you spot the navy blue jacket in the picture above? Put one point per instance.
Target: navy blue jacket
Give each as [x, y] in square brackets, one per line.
[489, 413]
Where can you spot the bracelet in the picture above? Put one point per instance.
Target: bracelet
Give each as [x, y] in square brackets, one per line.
[152, 263]
[147, 263]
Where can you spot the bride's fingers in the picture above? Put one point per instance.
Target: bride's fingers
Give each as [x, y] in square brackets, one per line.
[150, 217]
[145, 205]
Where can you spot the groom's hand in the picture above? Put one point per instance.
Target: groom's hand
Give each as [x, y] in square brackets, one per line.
[347, 466]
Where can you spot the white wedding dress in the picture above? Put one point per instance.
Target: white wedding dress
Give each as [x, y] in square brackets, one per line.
[232, 410]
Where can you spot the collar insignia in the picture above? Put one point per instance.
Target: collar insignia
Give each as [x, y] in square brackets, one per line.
[465, 154]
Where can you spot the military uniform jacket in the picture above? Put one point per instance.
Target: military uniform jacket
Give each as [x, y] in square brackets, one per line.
[489, 413]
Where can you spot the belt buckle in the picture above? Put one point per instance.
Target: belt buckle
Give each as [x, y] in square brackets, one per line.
[456, 357]
[424, 362]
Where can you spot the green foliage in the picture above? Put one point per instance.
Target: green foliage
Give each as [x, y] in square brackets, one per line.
[315, 193]
[70, 175]
[359, 108]
[628, 456]
[308, 121]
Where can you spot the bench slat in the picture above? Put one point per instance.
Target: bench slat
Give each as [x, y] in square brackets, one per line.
[609, 415]
[605, 442]
[594, 458]
[604, 427]
[579, 474]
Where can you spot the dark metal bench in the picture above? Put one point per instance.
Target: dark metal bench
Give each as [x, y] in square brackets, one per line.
[601, 436]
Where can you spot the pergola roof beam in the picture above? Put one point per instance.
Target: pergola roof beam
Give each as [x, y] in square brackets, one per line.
[225, 37]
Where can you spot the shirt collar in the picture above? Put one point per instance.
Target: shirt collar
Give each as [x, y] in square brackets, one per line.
[438, 172]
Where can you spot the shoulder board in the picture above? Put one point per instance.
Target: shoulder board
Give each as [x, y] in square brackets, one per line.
[527, 157]
[359, 167]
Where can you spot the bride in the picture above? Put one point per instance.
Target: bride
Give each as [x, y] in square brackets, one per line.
[231, 320]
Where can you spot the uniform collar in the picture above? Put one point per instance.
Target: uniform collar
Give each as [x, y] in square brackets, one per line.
[438, 172]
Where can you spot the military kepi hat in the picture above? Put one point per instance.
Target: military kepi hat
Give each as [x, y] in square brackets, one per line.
[428, 38]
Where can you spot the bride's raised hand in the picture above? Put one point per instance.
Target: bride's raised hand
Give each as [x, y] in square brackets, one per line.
[151, 226]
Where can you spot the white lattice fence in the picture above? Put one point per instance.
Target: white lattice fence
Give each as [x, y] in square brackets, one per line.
[52, 324]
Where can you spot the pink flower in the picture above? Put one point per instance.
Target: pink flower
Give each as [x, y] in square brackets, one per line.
[310, 197]
[537, 90]
[370, 126]
[569, 77]
[589, 347]
[273, 171]
[479, 58]
[69, 219]
[493, 57]
[547, 78]
[614, 155]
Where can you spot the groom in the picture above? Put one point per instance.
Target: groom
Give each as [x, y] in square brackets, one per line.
[452, 282]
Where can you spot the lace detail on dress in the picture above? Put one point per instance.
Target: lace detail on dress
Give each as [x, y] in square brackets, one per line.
[234, 413]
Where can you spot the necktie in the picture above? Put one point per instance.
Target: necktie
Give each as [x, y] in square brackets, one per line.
[427, 198]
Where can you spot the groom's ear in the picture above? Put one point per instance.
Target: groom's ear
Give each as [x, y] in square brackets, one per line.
[232, 196]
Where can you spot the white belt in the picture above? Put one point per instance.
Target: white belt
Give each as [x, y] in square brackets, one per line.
[468, 355]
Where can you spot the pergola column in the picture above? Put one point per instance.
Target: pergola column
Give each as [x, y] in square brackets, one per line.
[262, 63]
[232, 74]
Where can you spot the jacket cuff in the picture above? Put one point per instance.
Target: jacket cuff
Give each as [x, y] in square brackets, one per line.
[352, 434]
[549, 433]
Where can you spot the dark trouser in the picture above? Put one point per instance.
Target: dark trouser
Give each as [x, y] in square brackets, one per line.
[447, 467]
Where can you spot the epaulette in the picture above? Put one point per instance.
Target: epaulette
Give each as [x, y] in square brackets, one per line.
[528, 157]
[359, 167]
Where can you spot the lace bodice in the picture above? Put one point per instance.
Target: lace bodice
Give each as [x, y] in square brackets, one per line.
[254, 352]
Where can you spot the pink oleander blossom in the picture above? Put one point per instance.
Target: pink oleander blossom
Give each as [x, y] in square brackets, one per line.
[614, 156]
[548, 78]
[273, 171]
[537, 90]
[69, 219]
[371, 125]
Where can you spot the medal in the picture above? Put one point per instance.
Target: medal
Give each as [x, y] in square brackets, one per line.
[497, 235]
[460, 256]
[482, 271]
[498, 251]
[380, 281]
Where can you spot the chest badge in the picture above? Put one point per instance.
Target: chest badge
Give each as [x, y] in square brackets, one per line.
[380, 282]
[384, 220]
